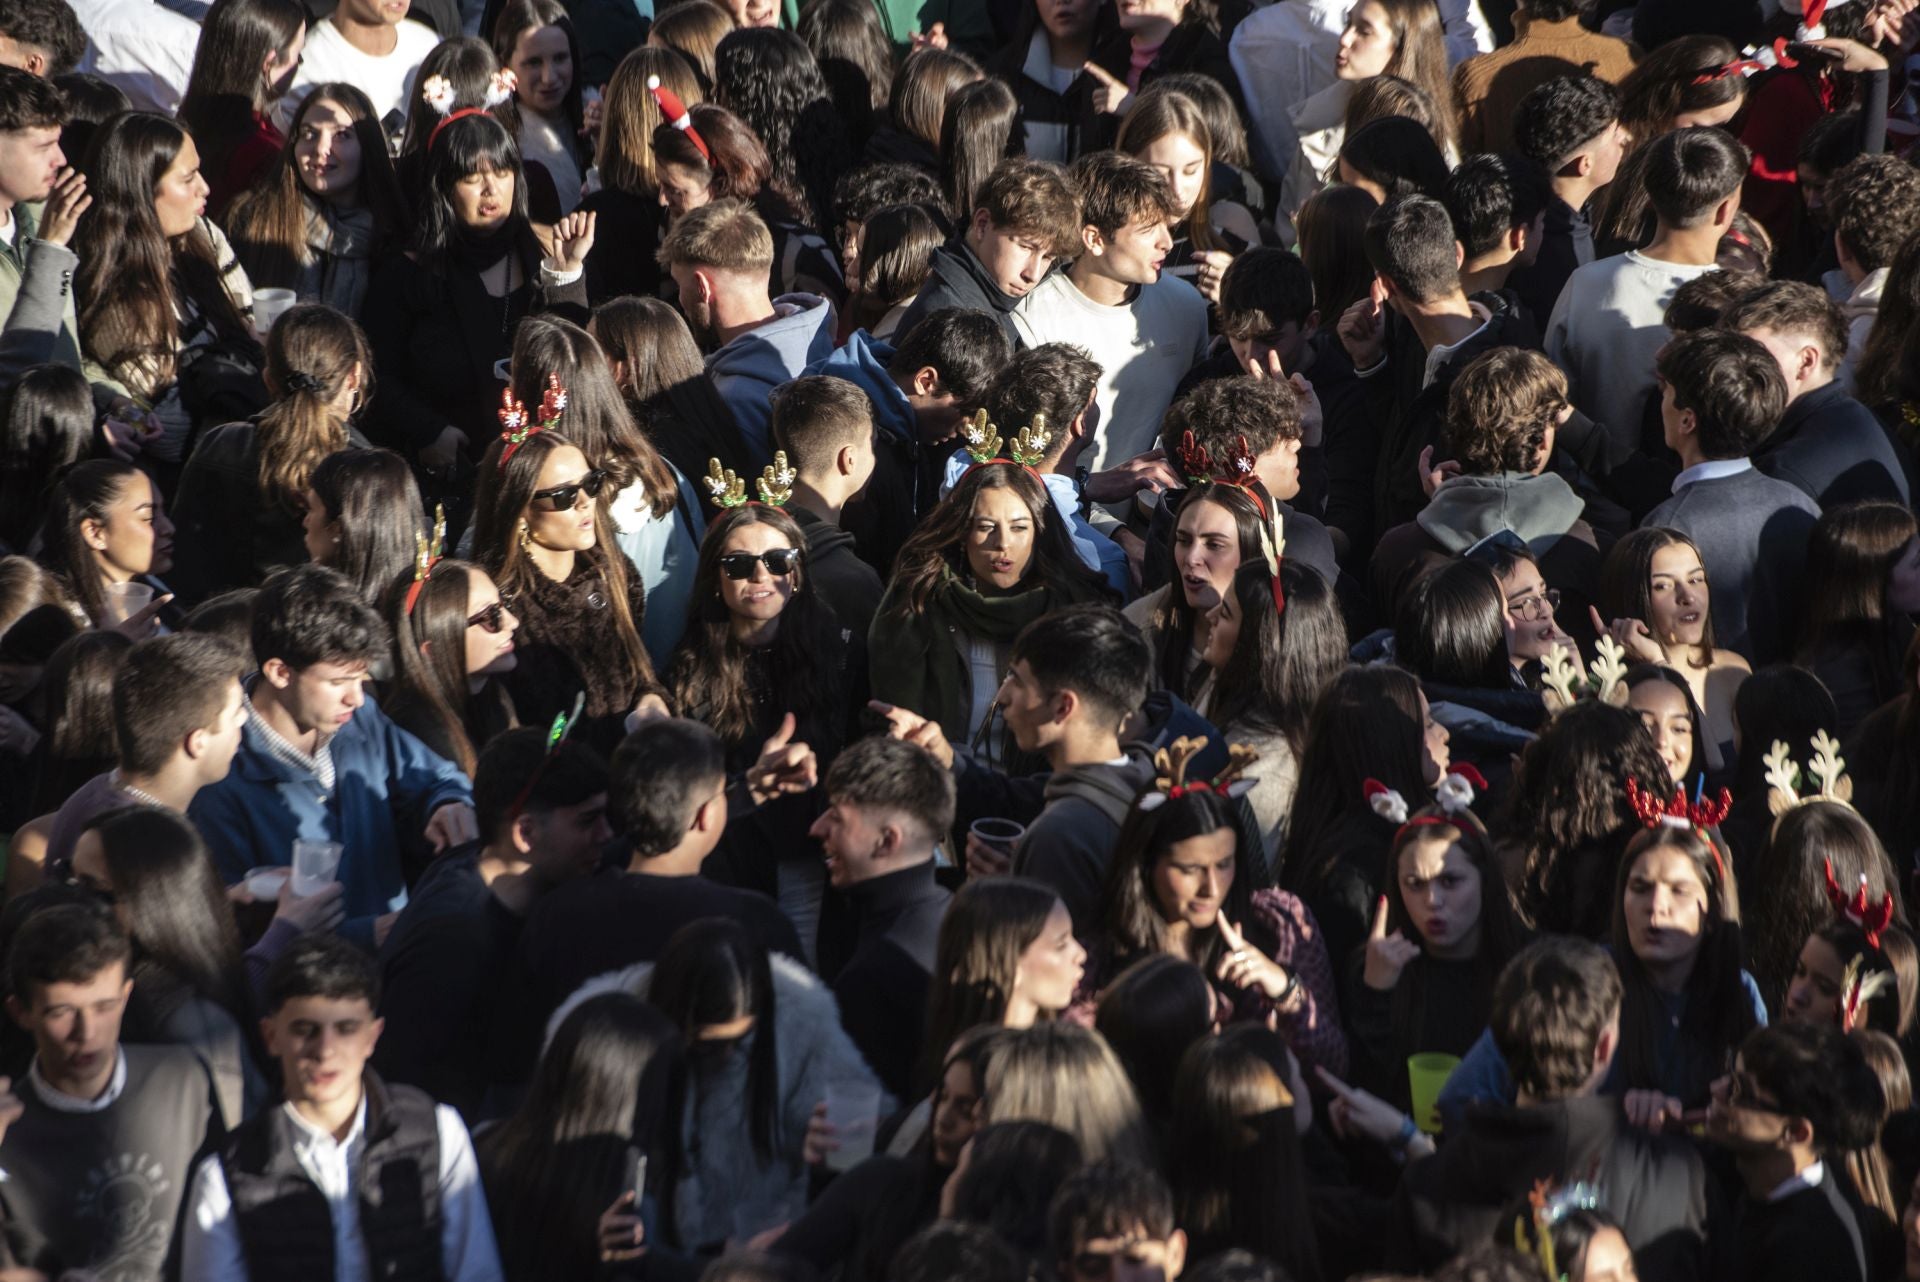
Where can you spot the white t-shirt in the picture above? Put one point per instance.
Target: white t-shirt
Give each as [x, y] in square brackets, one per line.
[387, 82]
[1144, 348]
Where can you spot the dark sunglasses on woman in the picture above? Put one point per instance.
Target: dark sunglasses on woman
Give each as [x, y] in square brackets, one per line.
[779, 562]
[561, 498]
[491, 619]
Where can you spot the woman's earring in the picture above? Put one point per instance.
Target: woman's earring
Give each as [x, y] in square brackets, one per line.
[526, 538]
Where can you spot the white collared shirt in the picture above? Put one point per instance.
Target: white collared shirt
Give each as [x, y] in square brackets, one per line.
[1713, 469]
[1810, 1178]
[319, 765]
[61, 1102]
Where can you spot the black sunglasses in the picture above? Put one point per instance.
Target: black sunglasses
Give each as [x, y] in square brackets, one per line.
[780, 562]
[1740, 1093]
[491, 619]
[561, 498]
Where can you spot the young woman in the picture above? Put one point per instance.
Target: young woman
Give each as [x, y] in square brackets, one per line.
[1863, 591]
[1215, 532]
[1533, 632]
[318, 220]
[1567, 819]
[1370, 723]
[657, 365]
[242, 498]
[1232, 179]
[451, 639]
[1442, 930]
[1235, 1163]
[849, 41]
[1007, 1174]
[763, 1045]
[1066, 1076]
[158, 287]
[444, 313]
[1382, 37]
[977, 134]
[1806, 841]
[1664, 703]
[364, 518]
[1268, 669]
[1180, 885]
[241, 68]
[1166, 129]
[1045, 64]
[606, 1092]
[1653, 589]
[543, 536]
[1683, 84]
[458, 74]
[1331, 227]
[769, 79]
[988, 560]
[1818, 992]
[1158, 38]
[627, 200]
[535, 40]
[79, 742]
[106, 525]
[917, 107]
[47, 427]
[1391, 157]
[693, 29]
[1150, 1014]
[897, 244]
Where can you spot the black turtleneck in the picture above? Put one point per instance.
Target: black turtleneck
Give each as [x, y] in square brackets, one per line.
[883, 987]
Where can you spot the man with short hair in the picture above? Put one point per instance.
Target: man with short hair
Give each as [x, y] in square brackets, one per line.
[1799, 1099]
[1874, 205]
[1570, 127]
[825, 425]
[319, 761]
[1556, 1022]
[1827, 443]
[889, 803]
[41, 36]
[371, 45]
[38, 192]
[1607, 326]
[1025, 218]
[1267, 317]
[1549, 41]
[101, 1138]
[1498, 205]
[1113, 1222]
[719, 256]
[177, 715]
[349, 1178]
[542, 815]
[1720, 396]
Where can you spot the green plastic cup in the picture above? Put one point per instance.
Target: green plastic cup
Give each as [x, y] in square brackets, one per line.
[1427, 1075]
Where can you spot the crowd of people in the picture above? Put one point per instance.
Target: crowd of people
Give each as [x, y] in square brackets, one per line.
[959, 640]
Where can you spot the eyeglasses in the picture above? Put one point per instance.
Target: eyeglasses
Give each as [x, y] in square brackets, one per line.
[780, 562]
[491, 619]
[1540, 606]
[1740, 1093]
[562, 498]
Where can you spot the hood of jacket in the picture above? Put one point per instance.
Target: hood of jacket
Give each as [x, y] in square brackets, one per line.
[862, 360]
[824, 539]
[1466, 509]
[1107, 787]
[800, 333]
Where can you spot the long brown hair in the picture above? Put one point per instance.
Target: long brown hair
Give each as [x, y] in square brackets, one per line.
[1157, 113]
[626, 157]
[693, 29]
[936, 550]
[1420, 57]
[1626, 584]
[1180, 616]
[983, 934]
[430, 651]
[226, 90]
[1851, 552]
[312, 353]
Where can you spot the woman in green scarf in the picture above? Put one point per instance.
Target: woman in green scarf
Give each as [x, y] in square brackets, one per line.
[990, 559]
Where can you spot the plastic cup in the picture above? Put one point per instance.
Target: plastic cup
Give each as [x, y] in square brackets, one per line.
[268, 306]
[314, 863]
[853, 1110]
[1427, 1075]
[265, 884]
[124, 600]
[1002, 834]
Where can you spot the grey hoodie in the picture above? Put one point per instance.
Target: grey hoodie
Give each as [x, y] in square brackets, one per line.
[1466, 509]
[1070, 845]
[747, 369]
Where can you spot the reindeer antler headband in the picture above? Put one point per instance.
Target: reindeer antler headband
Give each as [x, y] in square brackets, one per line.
[983, 442]
[1171, 782]
[517, 427]
[726, 489]
[1827, 766]
[1872, 919]
[426, 556]
[1565, 686]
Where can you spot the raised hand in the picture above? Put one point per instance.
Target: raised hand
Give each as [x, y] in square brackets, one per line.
[784, 766]
[65, 203]
[622, 1233]
[1632, 634]
[1149, 471]
[1363, 327]
[1433, 475]
[1110, 93]
[567, 242]
[1245, 966]
[933, 39]
[1387, 955]
[145, 621]
[1313, 421]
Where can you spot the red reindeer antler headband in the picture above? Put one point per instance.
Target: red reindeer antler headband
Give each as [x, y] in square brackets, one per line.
[677, 115]
[517, 427]
[1872, 919]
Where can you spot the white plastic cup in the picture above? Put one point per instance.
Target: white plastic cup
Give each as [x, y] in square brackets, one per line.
[124, 600]
[1002, 834]
[853, 1110]
[314, 863]
[268, 306]
[265, 884]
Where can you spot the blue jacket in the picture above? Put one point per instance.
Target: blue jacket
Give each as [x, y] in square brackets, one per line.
[747, 369]
[862, 360]
[387, 784]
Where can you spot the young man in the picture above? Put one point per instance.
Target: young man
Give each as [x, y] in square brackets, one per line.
[1143, 331]
[1025, 216]
[826, 427]
[719, 256]
[1571, 128]
[368, 43]
[1075, 677]
[1409, 359]
[1498, 204]
[889, 803]
[1556, 1022]
[1606, 327]
[37, 193]
[1549, 41]
[41, 36]
[1503, 413]
[1827, 443]
[1113, 1222]
[543, 823]
[1720, 396]
[920, 388]
[177, 715]
[1267, 317]
[319, 761]
[1798, 1099]
[101, 1138]
[1874, 204]
[349, 1178]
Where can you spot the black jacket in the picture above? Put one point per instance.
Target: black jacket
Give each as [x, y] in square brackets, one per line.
[882, 989]
[1191, 46]
[1809, 1234]
[845, 582]
[629, 226]
[1654, 1186]
[1831, 446]
[1069, 117]
[957, 278]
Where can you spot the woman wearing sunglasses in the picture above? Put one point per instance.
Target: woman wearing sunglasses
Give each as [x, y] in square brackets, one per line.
[542, 534]
[451, 638]
[760, 645]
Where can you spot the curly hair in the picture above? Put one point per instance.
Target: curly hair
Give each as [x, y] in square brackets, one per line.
[769, 79]
[1874, 203]
[1501, 410]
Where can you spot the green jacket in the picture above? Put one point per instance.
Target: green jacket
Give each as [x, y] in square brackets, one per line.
[49, 291]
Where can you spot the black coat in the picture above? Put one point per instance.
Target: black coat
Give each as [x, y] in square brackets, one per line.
[626, 234]
[882, 989]
[957, 278]
[1831, 446]
[845, 582]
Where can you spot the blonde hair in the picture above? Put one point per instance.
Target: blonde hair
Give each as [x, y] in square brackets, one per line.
[1067, 1076]
[626, 138]
[693, 29]
[725, 234]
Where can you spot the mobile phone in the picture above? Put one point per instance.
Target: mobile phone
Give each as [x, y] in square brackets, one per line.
[637, 1176]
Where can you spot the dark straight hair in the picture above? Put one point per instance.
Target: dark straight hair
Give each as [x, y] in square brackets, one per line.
[714, 972]
[467, 146]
